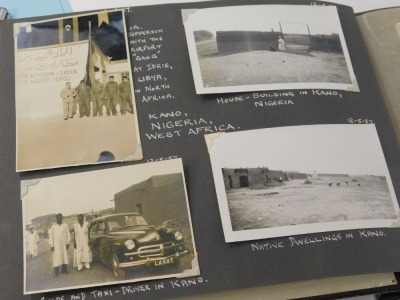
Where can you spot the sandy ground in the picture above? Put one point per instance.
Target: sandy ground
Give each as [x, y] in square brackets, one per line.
[40, 275]
[265, 67]
[52, 142]
[297, 203]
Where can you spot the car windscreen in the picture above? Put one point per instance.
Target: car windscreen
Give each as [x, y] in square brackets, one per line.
[122, 221]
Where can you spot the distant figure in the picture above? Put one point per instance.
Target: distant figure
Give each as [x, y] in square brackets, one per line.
[338, 184]
[347, 183]
[59, 239]
[330, 184]
[359, 185]
[281, 44]
[32, 241]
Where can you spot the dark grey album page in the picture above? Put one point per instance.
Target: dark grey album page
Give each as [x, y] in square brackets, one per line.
[173, 120]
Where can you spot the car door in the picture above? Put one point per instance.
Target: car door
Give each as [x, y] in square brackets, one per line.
[93, 239]
[99, 241]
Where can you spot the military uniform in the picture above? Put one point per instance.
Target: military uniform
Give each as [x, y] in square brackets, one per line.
[111, 90]
[84, 97]
[126, 96]
[97, 100]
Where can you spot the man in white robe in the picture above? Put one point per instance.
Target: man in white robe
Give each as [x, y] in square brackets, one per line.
[82, 253]
[32, 241]
[59, 238]
[281, 44]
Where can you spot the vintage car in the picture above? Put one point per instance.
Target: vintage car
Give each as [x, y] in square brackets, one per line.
[125, 240]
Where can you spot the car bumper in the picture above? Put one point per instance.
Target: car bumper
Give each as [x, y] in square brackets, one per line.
[154, 261]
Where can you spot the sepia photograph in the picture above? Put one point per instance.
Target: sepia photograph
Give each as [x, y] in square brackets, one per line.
[74, 92]
[301, 179]
[119, 225]
[267, 47]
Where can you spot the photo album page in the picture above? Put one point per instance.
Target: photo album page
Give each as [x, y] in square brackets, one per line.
[182, 149]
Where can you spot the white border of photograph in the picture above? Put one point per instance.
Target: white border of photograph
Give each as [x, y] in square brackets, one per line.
[78, 193]
[234, 18]
[345, 148]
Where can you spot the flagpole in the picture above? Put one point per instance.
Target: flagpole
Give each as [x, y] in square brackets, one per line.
[90, 33]
[89, 63]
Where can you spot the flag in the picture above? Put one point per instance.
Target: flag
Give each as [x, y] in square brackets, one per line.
[89, 75]
[99, 59]
[68, 30]
[96, 61]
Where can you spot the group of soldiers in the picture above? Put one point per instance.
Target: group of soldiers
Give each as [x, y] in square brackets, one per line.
[91, 100]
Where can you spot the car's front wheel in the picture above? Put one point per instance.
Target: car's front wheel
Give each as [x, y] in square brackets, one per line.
[119, 273]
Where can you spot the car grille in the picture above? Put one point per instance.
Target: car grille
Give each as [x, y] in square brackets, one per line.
[156, 250]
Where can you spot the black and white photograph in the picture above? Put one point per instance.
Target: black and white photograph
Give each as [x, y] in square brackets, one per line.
[301, 179]
[267, 47]
[118, 225]
[74, 92]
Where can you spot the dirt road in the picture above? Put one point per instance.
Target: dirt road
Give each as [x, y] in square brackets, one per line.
[53, 141]
[297, 203]
[40, 275]
[266, 67]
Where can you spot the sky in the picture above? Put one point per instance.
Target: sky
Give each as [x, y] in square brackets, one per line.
[339, 149]
[109, 34]
[321, 19]
[82, 192]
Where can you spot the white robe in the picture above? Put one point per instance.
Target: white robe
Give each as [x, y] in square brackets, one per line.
[82, 253]
[281, 44]
[32, 240]
[59, 237]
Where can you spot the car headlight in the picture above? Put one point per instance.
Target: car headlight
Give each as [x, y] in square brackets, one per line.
[178, 236]
[129, 244]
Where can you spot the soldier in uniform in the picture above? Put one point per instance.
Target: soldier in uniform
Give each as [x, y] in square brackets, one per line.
[126, 95]
[84, 97]
[97, 99]
[68, 94]
[111, 91]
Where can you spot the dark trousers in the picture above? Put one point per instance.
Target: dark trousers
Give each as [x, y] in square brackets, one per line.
[84, 107]
[63, 270]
